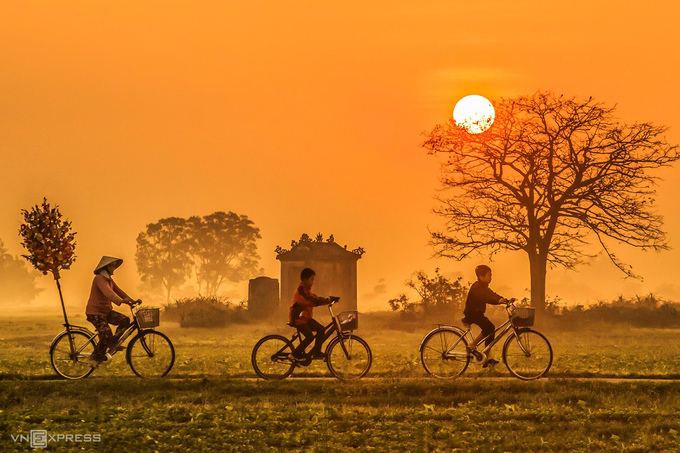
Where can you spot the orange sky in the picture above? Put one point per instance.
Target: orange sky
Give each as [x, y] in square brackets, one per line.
[305, 116]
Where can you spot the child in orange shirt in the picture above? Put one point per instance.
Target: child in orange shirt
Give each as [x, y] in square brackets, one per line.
[301, 315]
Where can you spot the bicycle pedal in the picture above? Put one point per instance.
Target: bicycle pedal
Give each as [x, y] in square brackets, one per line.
[106, 360]
[490, 363]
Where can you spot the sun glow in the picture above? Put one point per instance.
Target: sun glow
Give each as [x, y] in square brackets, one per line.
[474, 113]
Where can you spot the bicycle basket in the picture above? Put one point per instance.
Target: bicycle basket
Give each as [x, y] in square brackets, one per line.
[523, 316]
[349, 320]
[148, 317]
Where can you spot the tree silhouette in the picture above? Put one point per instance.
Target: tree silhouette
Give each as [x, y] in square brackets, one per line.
[551, 175]
[50, 242]
[17, 282]
[162, 256]
[224, 249]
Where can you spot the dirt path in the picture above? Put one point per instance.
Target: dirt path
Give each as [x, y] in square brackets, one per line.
[608, 379]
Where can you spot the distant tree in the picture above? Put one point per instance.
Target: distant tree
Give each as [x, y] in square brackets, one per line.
[163, 254]
[224, 249]
[18, 283]
[551, 175]
[438, 295]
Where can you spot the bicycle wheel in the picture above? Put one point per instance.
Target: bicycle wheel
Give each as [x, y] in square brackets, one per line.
[351, 361]
[150, 354]
[527, 354]
[444, 353]
[270, 357]
[67, 364]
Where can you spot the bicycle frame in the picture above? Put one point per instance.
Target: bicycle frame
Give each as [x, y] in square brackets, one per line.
[134, 326]
[504, 328]
[91, 335]
[331, 328]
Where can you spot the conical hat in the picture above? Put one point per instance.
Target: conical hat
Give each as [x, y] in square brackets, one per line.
[105, 261]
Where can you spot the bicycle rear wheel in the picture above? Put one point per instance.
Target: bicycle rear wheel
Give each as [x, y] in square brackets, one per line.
[444, 353]
[527, 354]
[150, 354]
[72, 365]
[270, 357]
[351, 361]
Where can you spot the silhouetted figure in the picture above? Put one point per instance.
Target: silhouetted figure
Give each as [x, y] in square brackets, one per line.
[475, 306]
[100, 312]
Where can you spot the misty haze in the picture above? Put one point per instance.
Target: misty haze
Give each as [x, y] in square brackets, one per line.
[325, 227]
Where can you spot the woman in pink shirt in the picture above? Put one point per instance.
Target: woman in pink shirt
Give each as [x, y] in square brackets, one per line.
[100, 312]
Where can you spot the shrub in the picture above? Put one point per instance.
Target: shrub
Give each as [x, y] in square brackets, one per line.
[647, 311]
[438, 296]
[202, 311]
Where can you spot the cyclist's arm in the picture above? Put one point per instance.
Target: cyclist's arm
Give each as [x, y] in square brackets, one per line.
[107, 291]
[311, 298]
[492, 298]
[121, 293]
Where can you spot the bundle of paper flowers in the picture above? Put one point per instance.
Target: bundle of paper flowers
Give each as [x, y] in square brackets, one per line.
[48, 239]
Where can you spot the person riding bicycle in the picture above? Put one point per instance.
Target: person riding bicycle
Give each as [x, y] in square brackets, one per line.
[475, 306]
[100, 313]
[301, 315]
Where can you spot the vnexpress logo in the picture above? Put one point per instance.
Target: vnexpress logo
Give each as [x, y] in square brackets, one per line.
[40, 438]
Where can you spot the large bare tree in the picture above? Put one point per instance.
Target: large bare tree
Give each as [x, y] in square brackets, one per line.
[550, 176]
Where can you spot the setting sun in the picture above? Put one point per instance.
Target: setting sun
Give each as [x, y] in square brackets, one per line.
[474, 113]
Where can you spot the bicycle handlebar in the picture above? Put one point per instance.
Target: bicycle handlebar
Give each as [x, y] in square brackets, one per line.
[510, 305]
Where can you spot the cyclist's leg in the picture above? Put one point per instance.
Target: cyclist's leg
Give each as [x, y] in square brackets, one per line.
[120, 320]
[320, 330]
[105, 335]
[488, 329]
[475, 318]
[307, 335]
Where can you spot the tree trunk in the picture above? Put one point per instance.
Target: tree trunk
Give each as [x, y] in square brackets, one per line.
[538, 266]
[61, 297]
[167, 295]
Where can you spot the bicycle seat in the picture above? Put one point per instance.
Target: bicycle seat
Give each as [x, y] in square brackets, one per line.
[465, 322]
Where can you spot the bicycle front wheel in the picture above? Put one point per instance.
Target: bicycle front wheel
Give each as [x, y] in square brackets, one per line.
[150, 354]
[527, 354]
[444, 353]
[270, 357]
[350, 358]
[70, 363]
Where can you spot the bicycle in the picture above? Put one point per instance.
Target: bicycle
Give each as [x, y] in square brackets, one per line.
[347, 356]
[527, 354]
[149, 354]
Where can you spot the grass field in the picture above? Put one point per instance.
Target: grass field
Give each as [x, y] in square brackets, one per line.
[211, 400]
